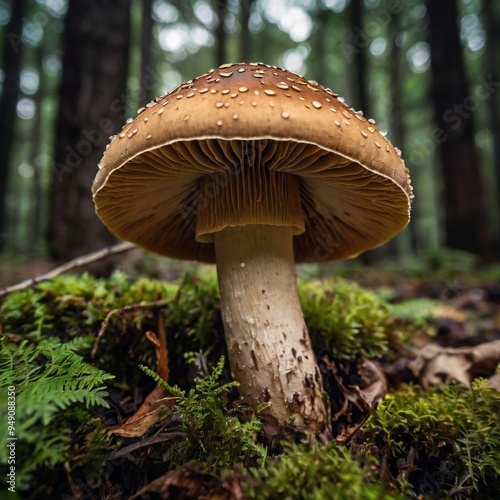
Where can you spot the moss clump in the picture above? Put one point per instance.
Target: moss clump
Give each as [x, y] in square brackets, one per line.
[347, 320]
[448, 435]
[310, 472]
[75, 306]
[446, 440]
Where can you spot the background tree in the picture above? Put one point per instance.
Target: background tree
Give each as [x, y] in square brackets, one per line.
[220, 32]
[12, 52]
[376, 55]
[91, 107]
[491, 62]
[147, 42]
[246, 7]
[396, 71]
[359, 62]
[466, 226]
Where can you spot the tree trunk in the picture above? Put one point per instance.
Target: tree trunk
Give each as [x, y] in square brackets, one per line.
[466, 224]
[146, 50]
[92, 107]
[360, 97]
[245, 41]
[220, 33]
[318, 60]
[36, 194]
[491, 20]
[403, 243]
[359, 66]
[11, 63]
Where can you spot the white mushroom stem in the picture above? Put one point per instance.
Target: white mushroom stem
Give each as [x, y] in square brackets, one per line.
[268, 343]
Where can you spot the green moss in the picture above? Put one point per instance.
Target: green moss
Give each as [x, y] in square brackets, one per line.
[311, 472]
[70, 306]
[195, 315]
[416, 312]
[449, 436]
[346, 320]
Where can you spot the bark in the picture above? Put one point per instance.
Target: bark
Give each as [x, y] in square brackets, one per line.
[11, 63]
[466, 223]
[359, 66]
[245, 39]
[220, 33]
[92, 107]
[491, 20]
[146, 50]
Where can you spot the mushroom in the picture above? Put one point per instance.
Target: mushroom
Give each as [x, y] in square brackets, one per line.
[255, 168]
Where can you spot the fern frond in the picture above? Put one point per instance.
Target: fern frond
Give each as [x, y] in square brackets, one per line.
[49, 377]
[173, 389]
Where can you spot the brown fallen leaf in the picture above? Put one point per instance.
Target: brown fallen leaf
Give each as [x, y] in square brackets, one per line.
[438, 365]
[159, 403]
[354, 394]
[190, 482]
[494, 382]
[155, 408]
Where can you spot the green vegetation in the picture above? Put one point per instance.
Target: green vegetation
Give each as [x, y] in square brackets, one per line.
[347, 320]
[310, 472]
[54, 390]
[209, 426]
[449, 434]
[438, 443]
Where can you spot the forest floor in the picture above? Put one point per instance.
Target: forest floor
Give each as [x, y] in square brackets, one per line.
[406, 332]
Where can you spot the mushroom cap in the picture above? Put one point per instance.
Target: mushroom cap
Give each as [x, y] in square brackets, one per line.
[355, 189]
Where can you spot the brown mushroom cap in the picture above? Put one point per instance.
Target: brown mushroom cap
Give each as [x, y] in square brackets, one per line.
[355, 190]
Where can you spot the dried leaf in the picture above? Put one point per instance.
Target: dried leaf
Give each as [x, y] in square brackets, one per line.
[438, 365]
[154, 409]
[354, 395]
[157, 403]
[190, 482]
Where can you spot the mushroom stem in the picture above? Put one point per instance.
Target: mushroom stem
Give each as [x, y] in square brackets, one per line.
[268, 343]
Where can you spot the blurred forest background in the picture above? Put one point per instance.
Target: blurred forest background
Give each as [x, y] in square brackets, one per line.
[72, 72]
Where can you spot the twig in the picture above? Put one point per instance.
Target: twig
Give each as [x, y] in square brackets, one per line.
[159, 438]
[131, 307]
[82, 261]
[160, 342]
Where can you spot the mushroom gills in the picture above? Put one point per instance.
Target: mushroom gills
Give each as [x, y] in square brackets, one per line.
[248, 192]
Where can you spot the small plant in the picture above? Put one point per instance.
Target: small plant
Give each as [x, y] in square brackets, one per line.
[215, 436]
[55, 391]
